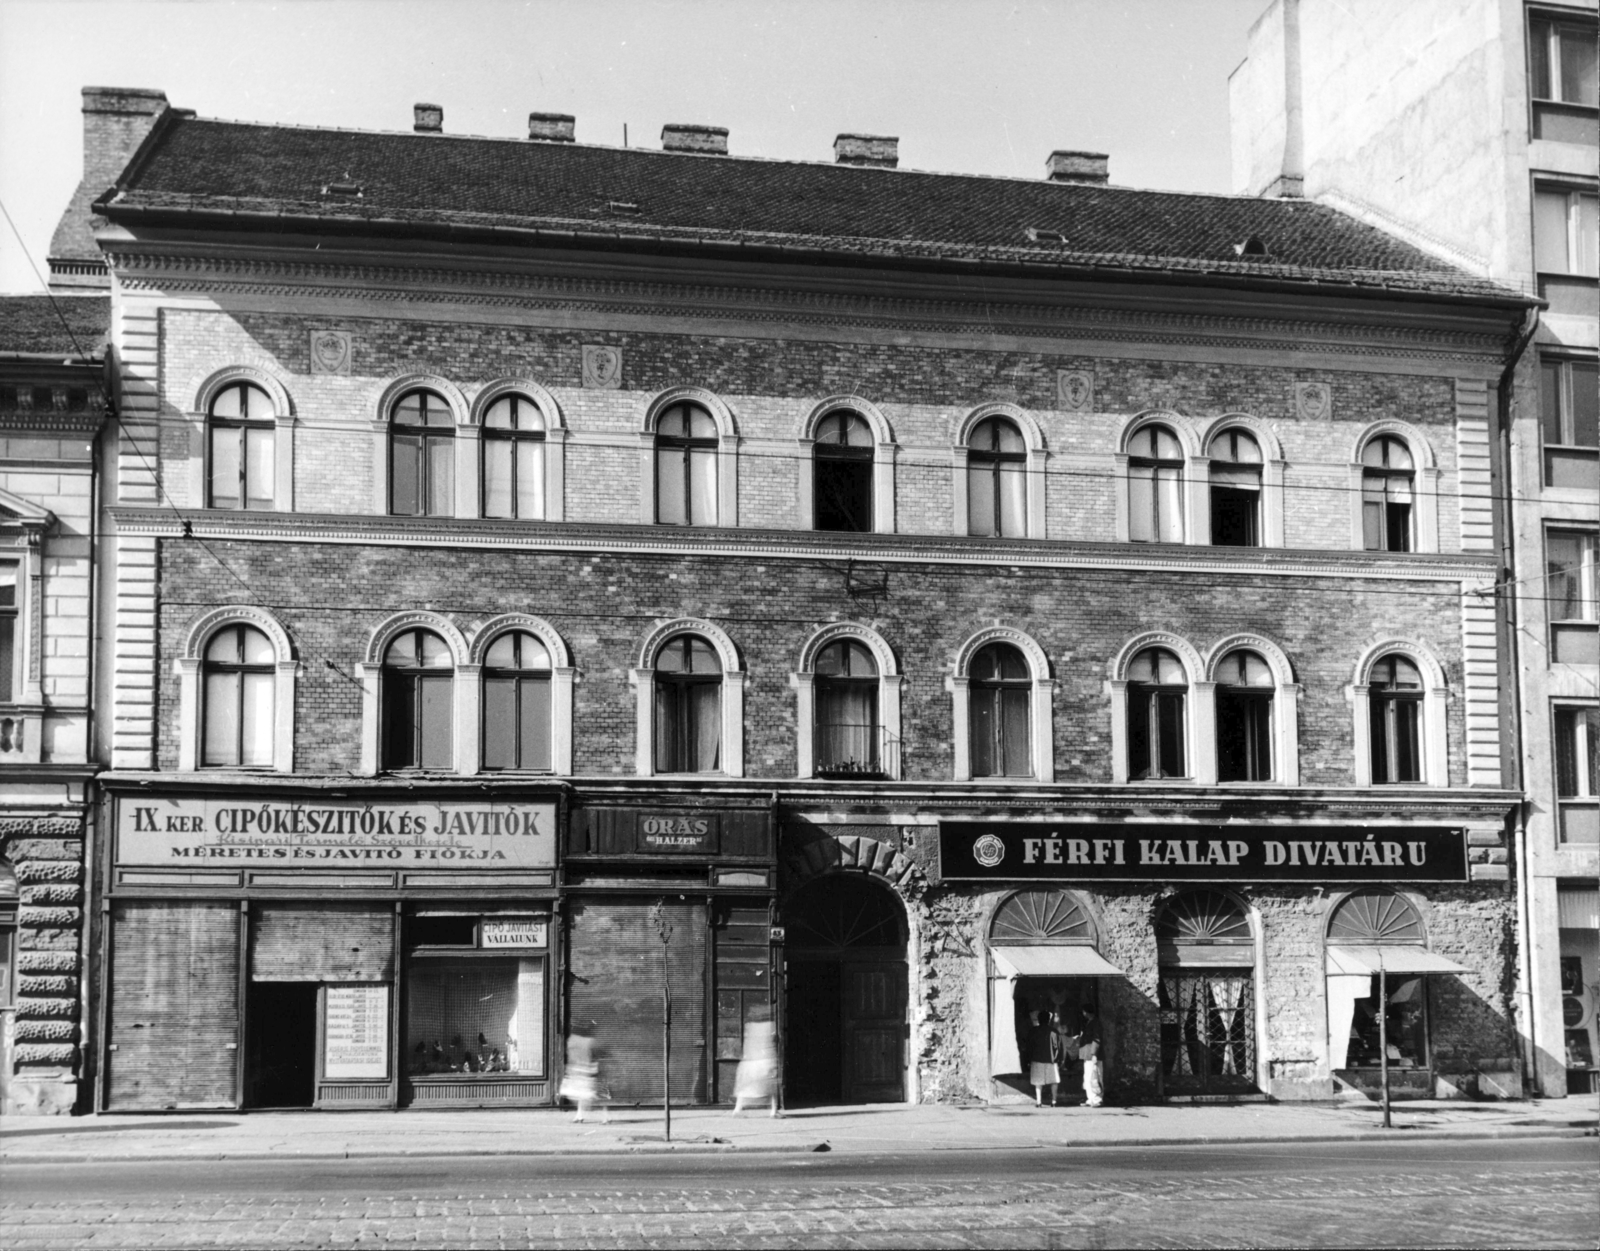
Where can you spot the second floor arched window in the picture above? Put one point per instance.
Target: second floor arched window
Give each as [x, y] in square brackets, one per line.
[841, 473]
[516, 703]
[1236, 490]
[686, 467]
[847, 740]
[238, 700]
[242, 438]
[688, 711]
[514, 459]
[418, 702]
[422, 456]
[997, 480]
[1158, 690]
[1000, 712]
[1397, 694]
[1244, 718]
[1155, 486]
[1388, 484]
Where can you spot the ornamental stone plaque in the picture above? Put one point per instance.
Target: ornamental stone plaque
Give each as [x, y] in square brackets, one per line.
[1313, 401]
[330, 351]
[1075, 390]
[602, 367]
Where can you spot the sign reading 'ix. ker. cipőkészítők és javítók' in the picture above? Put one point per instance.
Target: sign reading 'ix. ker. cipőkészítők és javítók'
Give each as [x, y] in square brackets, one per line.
[420, 832]
[977, 850]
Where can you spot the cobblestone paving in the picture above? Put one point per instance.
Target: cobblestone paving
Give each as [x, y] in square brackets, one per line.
[1548, 1206]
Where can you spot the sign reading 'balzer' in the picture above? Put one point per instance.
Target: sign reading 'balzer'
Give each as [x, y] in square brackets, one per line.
[326, 832]
[970, 850]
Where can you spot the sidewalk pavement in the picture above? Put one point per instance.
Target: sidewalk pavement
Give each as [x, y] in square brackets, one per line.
[877, 1128]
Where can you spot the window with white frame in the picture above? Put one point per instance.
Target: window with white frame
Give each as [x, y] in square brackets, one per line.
[1577, 744]
[688, 706]
[1566, 247]
[8, 632]
[238, 685]
[1388, 490]
[1562, 63]
[997, 480]
[422, 456]
[1397, 693]
[1157, 706]
[686, 444]
[1244, 698]
[1155, 486]
[418, 717]
[842, 473]
[1572, 595]
[514, 451]
[1000, 713]
[847, 736]
[1569, 416]
[241, 435]
[517, 703]
[1236, 490]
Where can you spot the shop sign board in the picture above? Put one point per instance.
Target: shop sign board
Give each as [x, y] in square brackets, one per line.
[514, 932]
[1042, 851]
[693, 833]
[355, 1034]
[328, 833]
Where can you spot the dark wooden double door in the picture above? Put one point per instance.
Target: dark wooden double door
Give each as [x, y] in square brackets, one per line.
[845, 1018]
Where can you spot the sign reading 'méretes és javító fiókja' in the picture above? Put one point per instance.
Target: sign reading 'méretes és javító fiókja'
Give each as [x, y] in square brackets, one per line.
[327, 832]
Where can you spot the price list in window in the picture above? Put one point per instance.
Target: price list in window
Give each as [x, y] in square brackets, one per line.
[356, 1032]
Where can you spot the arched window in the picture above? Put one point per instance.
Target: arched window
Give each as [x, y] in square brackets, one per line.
[516, 703]
[239, 715]
[1369, 931]
[847, 731]
[1158, 690]
[514, 459]
[1040, 916]
[1236, 490]
[242, 436]
[1206, 994]
[1397, 694]
[688, 712]
[1000, 694]
[1244, 718]
[1388, 481]
[422, 456]
[686, 467]
[841, 473]
[997, 480]
[418, 702]
[1155, 486]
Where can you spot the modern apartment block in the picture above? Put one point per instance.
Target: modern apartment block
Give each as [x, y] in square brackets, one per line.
[1470, 128]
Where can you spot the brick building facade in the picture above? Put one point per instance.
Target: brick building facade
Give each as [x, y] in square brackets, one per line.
[951, 598]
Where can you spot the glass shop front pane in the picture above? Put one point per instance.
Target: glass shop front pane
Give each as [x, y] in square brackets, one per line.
[481, 1016]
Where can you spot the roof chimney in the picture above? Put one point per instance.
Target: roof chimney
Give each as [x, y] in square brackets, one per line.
[1093, 168]
[879, 151]
[679, 137]
[552, 127]
[116, 121]
[429, 119]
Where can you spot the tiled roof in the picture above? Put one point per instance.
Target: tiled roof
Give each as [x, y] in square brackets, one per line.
[33, 324]
[581, 194]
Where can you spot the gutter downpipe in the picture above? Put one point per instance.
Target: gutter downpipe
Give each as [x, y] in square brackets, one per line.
[1507, 508]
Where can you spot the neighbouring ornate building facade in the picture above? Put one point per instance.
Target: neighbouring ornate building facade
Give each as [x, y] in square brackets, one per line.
[900, 603]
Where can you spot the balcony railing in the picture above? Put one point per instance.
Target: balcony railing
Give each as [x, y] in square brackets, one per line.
[856, 751]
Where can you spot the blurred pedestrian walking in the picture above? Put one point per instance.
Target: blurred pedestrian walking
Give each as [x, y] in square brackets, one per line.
[757, 1077]
[1090, 1045]
[581, 1081]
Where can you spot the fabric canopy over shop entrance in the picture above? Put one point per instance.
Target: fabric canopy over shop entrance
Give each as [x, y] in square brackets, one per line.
[1063, 961]
[1396, 959]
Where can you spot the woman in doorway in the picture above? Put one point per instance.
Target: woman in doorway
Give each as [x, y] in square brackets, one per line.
[1044, 1059]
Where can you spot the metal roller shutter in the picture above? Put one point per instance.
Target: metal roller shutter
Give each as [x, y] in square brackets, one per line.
[322, 943]
[615, 958]
[174, 1024]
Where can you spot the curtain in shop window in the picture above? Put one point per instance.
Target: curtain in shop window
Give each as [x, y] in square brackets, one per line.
[1003, 1054]
[1227, 994]
[1344, 989]
[1185, 1062]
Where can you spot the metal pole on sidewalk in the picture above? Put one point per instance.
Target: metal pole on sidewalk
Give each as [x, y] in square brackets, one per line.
[1383, 1038]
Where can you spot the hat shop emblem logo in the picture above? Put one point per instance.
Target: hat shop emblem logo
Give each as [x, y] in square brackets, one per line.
[988, 850]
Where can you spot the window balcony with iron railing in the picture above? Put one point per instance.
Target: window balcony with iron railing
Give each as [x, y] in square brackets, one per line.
[856, 751]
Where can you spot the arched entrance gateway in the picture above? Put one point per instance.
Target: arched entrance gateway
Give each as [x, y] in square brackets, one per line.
[845, 947]
[1207, 995]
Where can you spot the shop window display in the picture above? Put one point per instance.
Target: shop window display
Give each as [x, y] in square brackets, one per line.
[475, 1016]
[1406, 1026]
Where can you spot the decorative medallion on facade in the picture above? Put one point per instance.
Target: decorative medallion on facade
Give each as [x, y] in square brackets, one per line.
[330, 351]
[1313, 401]
[988, 851]
[1075, 390]
[602, 367]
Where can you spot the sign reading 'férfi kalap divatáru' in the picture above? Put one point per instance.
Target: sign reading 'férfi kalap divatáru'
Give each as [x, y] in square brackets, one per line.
[977, 850]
